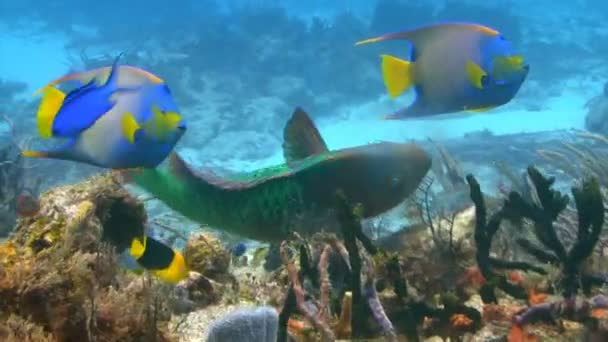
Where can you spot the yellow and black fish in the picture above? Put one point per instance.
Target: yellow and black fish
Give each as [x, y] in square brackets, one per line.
[163, 261]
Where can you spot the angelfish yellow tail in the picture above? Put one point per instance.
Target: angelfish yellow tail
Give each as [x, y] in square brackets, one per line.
[49, 106]
[397, 74]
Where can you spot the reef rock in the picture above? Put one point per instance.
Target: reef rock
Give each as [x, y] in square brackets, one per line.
[59, 275]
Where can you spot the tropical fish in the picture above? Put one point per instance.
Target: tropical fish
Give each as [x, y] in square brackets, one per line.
[65, 116]
[267, 204]
[164, 262]
[139, 131]
[238, 249]
[453, 67]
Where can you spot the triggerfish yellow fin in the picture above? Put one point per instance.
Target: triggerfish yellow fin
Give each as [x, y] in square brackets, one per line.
[129, 127]
[301, 138]
[49, 106]
[475, 74]
[161, 260]
[398, 75]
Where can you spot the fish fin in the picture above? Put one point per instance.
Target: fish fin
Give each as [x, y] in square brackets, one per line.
[49, 106]
[138, 248]
[398, 75]
[301, 138]
[162, 260]
[475, 74]
[480, 109]
[418, 36]
[81, 77]
[130, 127]
[62, 152]
[176, 271]
[34, 154]
[112, 80]
[151, 77]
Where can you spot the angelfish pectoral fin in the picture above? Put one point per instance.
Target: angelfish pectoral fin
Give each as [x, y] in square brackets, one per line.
[475, 74]
[129, 127]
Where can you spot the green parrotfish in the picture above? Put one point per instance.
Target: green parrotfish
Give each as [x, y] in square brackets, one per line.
[269, 203]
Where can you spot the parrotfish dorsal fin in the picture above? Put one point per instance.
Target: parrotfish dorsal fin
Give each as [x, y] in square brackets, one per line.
[301, 138]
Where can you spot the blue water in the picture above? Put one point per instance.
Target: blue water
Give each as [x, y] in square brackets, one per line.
[238, 68]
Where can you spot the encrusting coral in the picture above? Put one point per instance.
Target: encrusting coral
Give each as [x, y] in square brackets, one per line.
[59, 276]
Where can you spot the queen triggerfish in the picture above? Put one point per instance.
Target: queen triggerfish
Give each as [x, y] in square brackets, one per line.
[453, 67]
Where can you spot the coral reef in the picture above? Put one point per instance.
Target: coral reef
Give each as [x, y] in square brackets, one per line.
[17, 183]
[207, 255]
[59, 276]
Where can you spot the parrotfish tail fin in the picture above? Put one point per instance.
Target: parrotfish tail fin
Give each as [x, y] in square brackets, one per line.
[49, 106]
[301, 138]
[398, 75]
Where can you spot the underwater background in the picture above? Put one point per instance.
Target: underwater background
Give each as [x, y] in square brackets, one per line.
[237, 70]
